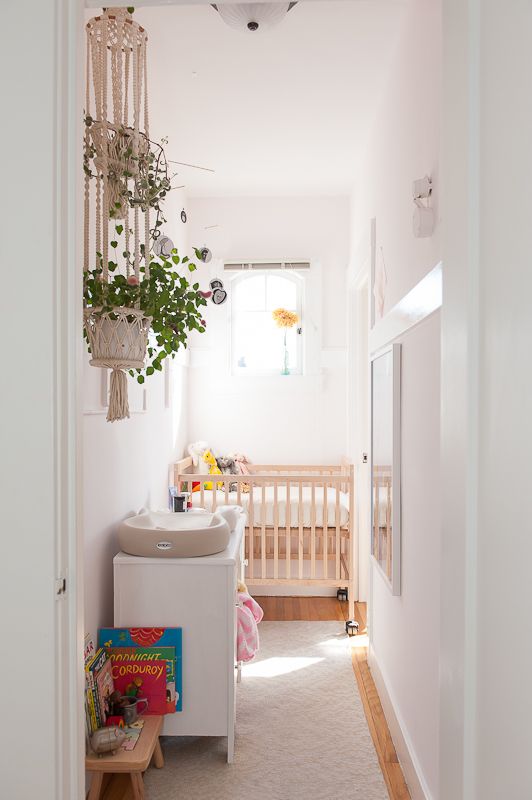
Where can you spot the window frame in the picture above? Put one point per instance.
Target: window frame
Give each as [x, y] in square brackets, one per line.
[299, 281]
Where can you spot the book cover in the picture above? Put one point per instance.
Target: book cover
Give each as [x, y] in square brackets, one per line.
[104, 689]
[117, 654]
[132, 735]
[91, 668]
[149, 637]
[143, 679]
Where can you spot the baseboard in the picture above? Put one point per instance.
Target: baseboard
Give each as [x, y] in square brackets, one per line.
[403, 746]
[291, 591]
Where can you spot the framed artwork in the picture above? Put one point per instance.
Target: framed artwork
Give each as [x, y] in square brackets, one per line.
[386, 465]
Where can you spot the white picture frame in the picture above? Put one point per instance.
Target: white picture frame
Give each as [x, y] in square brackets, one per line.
[385, 521]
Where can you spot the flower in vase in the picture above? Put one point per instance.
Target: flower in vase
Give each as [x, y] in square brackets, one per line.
[133, 280]
[284, 318]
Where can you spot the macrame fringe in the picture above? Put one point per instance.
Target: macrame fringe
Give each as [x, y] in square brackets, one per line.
[118, 402]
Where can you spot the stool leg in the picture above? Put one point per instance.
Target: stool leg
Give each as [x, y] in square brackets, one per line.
[138, 785]
[158, 758]
[96, 786]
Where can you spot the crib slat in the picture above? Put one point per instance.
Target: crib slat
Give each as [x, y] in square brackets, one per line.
[251, 533]
[313, 531]
[263, 531]
[337, 523]
[301, 540]
[325, 528]
[238, 493]
[226, 487]
[275, 532]
[202, 494]
[287, 521]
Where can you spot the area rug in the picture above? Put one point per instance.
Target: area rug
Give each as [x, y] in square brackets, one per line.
[301, 729]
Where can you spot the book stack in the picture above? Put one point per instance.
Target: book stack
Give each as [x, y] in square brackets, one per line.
[146, 663]
[99, 686]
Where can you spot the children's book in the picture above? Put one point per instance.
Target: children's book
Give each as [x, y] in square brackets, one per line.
[104, 688]
[91, 669]
[118, 654]
[145, 680]
[149, 637]
[132, 734]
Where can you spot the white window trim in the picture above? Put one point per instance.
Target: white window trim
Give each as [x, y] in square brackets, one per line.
[299, 280]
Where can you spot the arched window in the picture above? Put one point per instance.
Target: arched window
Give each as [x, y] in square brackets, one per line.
[257, 342]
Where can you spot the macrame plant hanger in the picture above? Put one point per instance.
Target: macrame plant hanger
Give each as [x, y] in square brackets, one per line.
[115, 100]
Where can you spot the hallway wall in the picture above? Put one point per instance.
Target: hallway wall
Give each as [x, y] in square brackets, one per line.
[404, 630]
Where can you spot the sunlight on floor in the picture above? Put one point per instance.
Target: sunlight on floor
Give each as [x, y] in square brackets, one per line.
[273, 667]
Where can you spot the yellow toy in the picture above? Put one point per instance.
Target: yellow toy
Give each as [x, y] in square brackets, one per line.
[214, 469]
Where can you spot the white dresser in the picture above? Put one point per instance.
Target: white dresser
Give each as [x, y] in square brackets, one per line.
[198, 595]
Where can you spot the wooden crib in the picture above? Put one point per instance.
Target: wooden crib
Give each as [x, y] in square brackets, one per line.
[301, 527]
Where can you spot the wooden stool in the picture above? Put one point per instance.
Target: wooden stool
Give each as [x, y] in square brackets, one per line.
[134, 761]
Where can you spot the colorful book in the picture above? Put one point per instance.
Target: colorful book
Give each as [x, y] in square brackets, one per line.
[91, 669]
[118, 654]
[104, 689]
[149, 637]
[145, 680]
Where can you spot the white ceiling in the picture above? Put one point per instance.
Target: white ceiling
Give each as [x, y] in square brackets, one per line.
[285, 112]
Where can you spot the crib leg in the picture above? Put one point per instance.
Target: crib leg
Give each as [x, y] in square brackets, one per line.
[351, 606]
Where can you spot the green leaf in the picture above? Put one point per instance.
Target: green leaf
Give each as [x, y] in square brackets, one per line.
[140, 379]
[114, 243]
[119, 229]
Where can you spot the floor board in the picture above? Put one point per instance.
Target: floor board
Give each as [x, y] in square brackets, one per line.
[322, 609]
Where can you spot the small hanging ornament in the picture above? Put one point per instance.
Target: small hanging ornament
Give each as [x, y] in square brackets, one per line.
[163, 246]
[183, 216]
[205, 255]
[219, 295]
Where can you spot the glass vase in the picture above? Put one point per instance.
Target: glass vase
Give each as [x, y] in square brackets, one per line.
[285, 370]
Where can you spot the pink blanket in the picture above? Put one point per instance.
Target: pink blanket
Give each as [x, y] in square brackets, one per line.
[249, 613]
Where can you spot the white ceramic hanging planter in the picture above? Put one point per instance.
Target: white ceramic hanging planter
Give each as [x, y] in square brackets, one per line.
[117, 341]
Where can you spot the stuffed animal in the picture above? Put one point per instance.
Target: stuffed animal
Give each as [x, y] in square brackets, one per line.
[241, 464]
[209, 459]
[196, 450]
[228, 467]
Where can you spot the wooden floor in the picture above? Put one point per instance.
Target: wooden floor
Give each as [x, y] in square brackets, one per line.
[321, 609]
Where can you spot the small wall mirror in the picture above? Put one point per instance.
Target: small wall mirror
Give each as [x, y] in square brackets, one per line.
[386, 465]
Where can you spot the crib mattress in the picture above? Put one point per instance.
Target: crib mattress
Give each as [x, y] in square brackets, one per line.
[282, 502]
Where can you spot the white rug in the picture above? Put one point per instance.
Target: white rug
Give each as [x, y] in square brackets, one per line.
[301, 729]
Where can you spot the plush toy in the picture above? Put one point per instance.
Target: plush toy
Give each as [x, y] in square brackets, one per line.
[228, 467]
[241, 463]
[209, 459]
[196, 451]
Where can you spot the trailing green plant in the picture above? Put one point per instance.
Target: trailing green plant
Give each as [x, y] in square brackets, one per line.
[167, 296]
[141, 180]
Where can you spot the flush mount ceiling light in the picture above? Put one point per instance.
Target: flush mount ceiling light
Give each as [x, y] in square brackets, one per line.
[252, 17]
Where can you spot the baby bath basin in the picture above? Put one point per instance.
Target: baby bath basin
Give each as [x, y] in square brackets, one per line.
[159, 534]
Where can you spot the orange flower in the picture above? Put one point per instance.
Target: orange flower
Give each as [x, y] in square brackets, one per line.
[284, 318]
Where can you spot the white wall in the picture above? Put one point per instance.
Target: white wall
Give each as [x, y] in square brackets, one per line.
[404, 631]
[125, 464]
[486, 423]
[279, 419]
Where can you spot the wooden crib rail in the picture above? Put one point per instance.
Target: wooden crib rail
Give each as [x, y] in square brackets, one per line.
[311, 546]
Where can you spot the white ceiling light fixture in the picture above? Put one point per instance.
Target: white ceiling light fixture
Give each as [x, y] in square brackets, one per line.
[252, 17]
